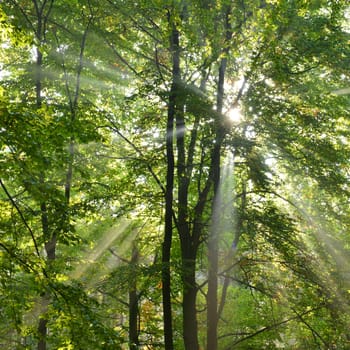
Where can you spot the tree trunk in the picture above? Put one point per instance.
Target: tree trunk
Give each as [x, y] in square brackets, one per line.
[213, 249]
[42, 325]
[189, 243]
[50, 248]
[42, 330]
[168, 231]
[190, 326]
[189, 246]
[133, 302]
[168, 227]
[212, 296]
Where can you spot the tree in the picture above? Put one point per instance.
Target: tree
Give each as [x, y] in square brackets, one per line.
[37, 127]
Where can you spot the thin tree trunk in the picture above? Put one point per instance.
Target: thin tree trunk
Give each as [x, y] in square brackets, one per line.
[42, 325]
[212, 296]
[231, 253]
[42, 330]
[168, 227]
[133, 302]
[50, 248]
[50, 241]
[168, 232]
[213, 251]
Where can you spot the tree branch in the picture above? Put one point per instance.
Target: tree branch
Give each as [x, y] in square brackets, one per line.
[313, 331]
[269, 328]
[138, 150]
[21, 216]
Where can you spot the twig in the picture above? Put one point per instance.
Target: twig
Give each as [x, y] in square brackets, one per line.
[269, 328]
[21, 216]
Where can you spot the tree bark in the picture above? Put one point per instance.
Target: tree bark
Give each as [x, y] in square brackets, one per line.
[212, 295]
[189, 244]
[167, 240]
[168, 227]
[42, 325]
[189, 311]
[213, 250]
[42, 330]
[133, 302]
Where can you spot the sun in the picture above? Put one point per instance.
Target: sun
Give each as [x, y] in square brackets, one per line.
[235, 115]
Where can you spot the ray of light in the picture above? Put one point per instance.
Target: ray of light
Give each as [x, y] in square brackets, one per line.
[331, 258]
[103, 245]
[109, 237]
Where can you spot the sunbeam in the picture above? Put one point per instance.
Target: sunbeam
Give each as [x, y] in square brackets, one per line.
[82, 271]
[331, 257]
[103, 245]
[224, 204]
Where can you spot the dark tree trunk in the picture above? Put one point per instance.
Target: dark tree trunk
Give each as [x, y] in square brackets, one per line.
[190, 326]
[42, 330]
[42, 326]
[168, 229]
[50, 248]
[189, 243]
[133, 303]
[212, 296]
[50, 242]
[168, 232]
[189, 246]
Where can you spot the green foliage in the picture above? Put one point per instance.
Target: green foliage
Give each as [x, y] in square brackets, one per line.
[84, 100]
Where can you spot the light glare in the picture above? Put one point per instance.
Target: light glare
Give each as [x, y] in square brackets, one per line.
[235, 115]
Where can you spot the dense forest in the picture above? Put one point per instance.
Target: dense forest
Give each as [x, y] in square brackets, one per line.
[174, 174]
